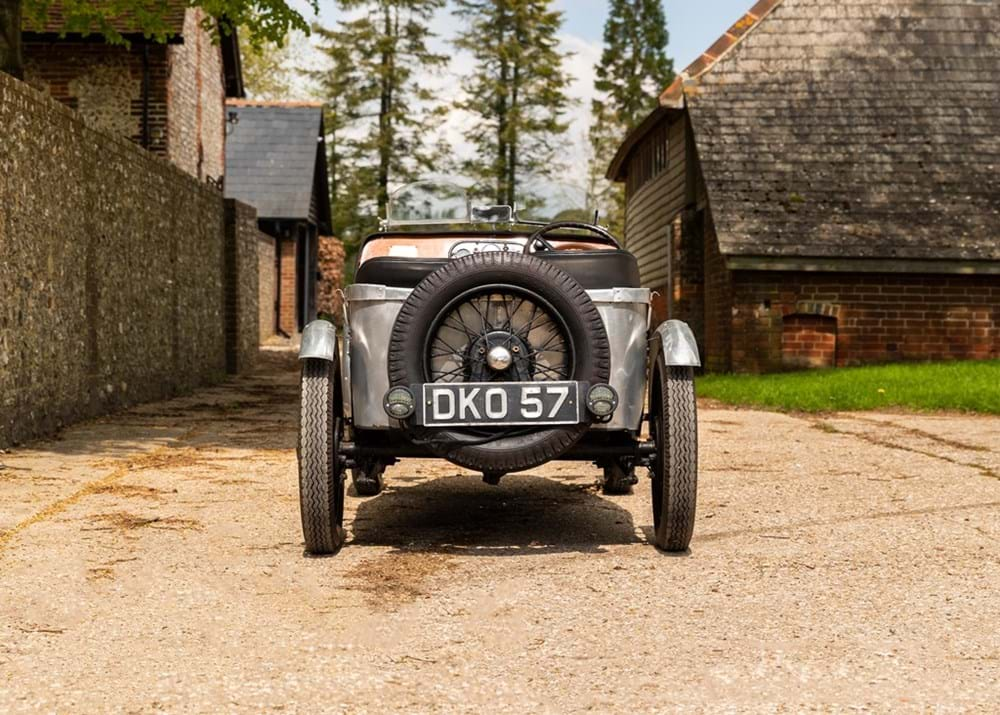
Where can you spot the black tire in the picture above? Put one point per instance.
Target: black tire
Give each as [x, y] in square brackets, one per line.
[368, 478]
[321, 476]
[619, 477]
[568, 300]
[674, 418]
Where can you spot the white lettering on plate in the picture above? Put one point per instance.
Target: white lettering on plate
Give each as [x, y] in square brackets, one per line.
[531, 405]
[563, 393]
[466, 406]
[492, 412]
[439, 412]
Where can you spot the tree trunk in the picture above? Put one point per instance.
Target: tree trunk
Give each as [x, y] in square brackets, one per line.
[515, 120]
[385, 128]
[11, 59]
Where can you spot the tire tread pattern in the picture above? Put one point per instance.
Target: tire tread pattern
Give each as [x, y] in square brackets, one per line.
[411, 324]
[679, 458]
[321, 486]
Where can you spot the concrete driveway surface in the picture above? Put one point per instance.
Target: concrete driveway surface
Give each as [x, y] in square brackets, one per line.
[152, 561]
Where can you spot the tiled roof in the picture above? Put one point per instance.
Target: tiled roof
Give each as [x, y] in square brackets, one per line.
[55, 21]
[857, 128]
[273, 155]
[673, 95]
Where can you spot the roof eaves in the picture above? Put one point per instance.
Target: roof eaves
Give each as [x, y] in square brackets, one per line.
[616, 170]
[288, 104]
[686, 81]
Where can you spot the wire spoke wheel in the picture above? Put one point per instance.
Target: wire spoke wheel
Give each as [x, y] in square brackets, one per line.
[498, 317]
[498, 334]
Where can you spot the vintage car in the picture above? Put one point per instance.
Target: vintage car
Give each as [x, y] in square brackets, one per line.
[497, 344]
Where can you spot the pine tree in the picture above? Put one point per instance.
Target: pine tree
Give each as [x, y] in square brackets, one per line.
[516, 92]
[266, 70]
[378, 117]
[632, 71]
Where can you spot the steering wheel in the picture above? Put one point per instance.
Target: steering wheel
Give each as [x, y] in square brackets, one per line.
[539, 235]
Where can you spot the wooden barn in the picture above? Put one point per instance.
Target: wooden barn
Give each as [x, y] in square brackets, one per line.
[822, 186]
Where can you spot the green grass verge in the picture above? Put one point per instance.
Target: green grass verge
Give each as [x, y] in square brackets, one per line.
[964, 386]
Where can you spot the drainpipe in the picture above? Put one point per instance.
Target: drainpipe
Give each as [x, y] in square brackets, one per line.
[146, 138]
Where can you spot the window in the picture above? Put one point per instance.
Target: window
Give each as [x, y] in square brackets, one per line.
[650, 158]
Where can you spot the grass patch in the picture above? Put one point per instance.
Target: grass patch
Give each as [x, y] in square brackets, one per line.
[972, 386]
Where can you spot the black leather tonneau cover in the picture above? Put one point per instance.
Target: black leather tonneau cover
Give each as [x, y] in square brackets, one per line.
[594, 270]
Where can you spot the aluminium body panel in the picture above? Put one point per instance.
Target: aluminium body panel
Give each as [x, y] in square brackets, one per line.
[372, 311]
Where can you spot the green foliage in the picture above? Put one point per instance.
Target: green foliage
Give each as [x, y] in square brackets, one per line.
[266, 72]
[265, 20]
[634, 66]
[516, 92]
[378, 116]
[967, 386]
[633, 69]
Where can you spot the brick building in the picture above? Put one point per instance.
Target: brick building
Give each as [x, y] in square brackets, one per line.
[822, 186]
[276, 162]
[167, 97]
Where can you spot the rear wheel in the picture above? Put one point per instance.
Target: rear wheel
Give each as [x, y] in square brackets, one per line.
[321, 476]
[674, 417]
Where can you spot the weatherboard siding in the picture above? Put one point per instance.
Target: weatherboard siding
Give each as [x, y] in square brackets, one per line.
[653, 206]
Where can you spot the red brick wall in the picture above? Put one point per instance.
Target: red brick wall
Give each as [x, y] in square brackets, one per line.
[719, 321]
[196, 101]
[286, 282]
[266, 282]
[104, 84]
[880, 317]
[808, 341]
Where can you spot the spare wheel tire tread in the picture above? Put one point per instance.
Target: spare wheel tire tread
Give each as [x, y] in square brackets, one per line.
[438, 289]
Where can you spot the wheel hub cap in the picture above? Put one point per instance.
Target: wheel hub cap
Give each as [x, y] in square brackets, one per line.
[499, 358]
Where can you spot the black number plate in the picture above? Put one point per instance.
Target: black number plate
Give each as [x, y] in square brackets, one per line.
[485, 404]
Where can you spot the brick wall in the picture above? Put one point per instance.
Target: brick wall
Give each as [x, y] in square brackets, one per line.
[242, 290]
[717, 355]
[196, 102]
[111, 271]
[879, 317]
[266, 283]
[104, 83]
[286, 285]
[808, 341]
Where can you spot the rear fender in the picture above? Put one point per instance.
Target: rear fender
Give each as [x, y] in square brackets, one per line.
[675, 341]
[319, 341]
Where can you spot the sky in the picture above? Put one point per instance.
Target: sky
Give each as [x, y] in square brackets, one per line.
[692, 26]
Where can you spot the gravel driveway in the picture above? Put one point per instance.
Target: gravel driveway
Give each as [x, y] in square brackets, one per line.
[153, 561]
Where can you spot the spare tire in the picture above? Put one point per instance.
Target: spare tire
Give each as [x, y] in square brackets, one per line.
[444, 332]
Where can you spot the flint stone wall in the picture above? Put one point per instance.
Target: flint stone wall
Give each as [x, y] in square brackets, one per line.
[111, 271]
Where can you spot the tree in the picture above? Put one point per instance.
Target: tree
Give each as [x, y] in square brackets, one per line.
[633, 69]
[265, 20]
[265, 67]
[379, 118]
[516, 92]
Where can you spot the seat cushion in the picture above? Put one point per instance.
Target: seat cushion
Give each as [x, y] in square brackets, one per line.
[594, 270]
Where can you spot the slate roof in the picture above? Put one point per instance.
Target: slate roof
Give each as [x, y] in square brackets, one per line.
[275, 160]
[124, 24]
[856, 128]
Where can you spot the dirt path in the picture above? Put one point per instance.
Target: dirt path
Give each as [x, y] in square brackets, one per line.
[153, 561]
